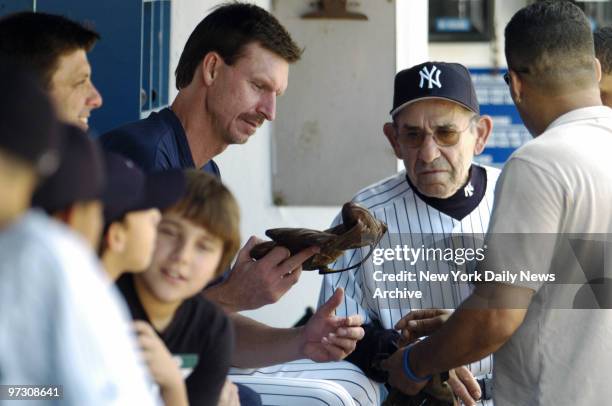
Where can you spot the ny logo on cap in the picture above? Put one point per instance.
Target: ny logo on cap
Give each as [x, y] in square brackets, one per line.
[429, 76]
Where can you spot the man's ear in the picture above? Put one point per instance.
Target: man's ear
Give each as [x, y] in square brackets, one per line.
[516, 86]
[210, 67]
[116, 237]
[391, 134]
[484, 128]
[598, 72]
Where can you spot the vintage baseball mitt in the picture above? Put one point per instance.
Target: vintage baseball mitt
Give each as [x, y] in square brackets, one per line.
[358, 229]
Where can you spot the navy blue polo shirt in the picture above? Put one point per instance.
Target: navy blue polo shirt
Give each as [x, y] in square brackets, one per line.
[155, 143]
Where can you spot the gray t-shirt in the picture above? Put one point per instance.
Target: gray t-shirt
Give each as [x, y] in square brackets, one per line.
[557, 184]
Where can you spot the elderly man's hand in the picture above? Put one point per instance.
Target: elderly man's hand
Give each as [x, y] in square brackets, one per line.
[253, 284]
[464, 385]
[327, 337]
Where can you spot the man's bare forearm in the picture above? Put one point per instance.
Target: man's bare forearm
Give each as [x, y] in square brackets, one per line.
[471, 333]
[468, 336]
[258, 345]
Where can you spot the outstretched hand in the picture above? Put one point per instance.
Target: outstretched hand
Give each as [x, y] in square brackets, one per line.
[327, 337]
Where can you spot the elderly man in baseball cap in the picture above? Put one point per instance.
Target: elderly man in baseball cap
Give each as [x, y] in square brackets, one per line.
[436, 129]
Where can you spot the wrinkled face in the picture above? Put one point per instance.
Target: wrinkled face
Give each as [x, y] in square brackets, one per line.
[72, 91]
[141, 233]
[605, 88]
[243, 95]
[436, 170]
[185, 259]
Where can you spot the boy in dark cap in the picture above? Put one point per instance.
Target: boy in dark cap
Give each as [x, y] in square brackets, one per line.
[132, 204]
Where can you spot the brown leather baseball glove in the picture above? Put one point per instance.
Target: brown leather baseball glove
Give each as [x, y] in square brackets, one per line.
[358, 229]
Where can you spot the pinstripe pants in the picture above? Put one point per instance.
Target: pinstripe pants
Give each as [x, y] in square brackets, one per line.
[305, 382]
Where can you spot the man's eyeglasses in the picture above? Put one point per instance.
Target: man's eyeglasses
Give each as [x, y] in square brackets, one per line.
[444, 135]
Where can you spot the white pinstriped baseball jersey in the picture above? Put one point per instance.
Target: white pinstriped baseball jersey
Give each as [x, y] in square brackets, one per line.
[410, 221]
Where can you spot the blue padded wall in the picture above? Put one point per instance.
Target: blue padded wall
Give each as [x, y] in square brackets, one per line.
[130, 63]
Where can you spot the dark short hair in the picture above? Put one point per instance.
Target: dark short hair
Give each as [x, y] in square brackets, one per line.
[553, 41]
[227, 30]
[38, 40]
[603, 47]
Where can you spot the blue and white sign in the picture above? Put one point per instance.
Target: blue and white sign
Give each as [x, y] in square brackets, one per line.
[509, 133]
[453, 24]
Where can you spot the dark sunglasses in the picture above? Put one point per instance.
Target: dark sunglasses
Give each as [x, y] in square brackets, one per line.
[507, 74]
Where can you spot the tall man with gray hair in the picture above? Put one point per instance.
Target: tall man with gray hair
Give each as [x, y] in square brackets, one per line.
[550, 347]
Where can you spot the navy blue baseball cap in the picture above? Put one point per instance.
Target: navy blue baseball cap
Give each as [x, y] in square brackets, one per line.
[80, 176]
[129, 189]
[434, 80]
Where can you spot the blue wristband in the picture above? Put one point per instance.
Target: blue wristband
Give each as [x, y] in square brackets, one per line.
[408, 371]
